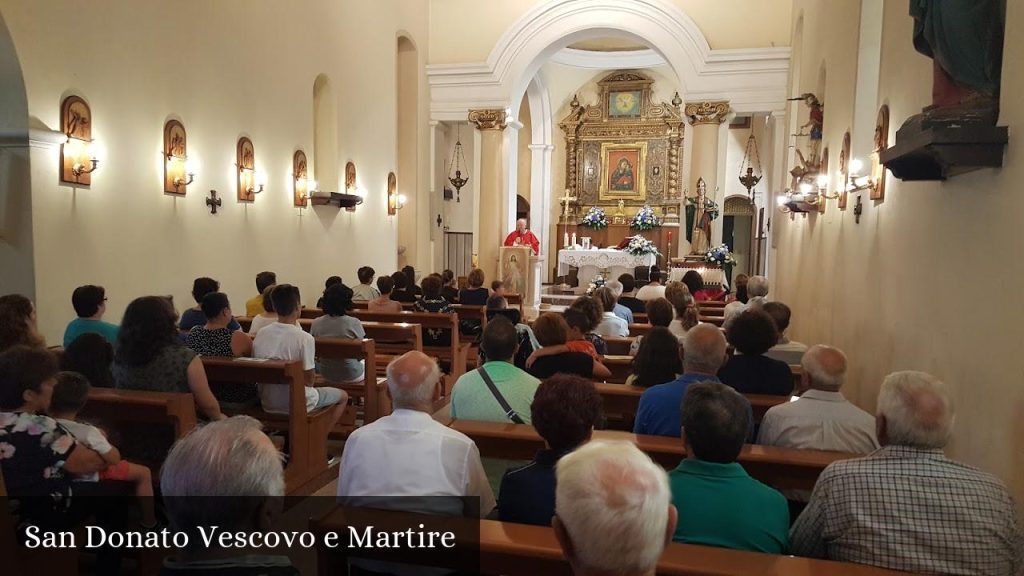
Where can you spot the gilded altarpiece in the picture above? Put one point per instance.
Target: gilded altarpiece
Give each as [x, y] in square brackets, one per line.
[622, 153]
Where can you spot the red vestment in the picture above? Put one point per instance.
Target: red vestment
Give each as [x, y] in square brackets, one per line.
[527, 238]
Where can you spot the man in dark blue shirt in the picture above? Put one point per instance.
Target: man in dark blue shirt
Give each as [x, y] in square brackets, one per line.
[703, 352]
[564, 411]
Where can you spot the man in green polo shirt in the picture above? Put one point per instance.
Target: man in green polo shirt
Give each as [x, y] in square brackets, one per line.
[472, 399]
[719, 503]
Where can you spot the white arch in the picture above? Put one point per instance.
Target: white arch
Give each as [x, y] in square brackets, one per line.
[753, 80]
[541, 149]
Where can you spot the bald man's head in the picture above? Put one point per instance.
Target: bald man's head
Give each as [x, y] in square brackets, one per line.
[412, 381]
[703, 349]
[521, 224]
[915, 410]
[824, 368]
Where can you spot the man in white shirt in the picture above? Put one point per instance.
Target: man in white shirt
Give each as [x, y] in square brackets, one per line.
[408, 453]
[284, 340]
[653, 290]
[786, 350]
[821, 419]
[365, 290]
[611, 325]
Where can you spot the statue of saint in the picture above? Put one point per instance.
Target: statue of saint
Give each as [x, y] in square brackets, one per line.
[700, 240]
[964, 38]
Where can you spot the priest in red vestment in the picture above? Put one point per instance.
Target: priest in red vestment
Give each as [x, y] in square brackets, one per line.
[523, 237]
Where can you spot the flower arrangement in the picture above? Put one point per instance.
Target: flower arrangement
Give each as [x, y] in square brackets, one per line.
[639, 246]
[595, 218]
[596, 283]
[720, 255]
[710, 207]
[645, 219]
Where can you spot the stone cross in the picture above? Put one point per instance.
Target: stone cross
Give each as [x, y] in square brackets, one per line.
[213, 202]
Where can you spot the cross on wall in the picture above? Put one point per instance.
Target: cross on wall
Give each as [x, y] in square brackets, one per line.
[213, 202]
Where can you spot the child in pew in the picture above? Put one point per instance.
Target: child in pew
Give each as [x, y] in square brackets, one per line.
[578, 323]
[69, 397]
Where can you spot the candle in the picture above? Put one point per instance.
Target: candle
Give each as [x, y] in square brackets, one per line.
[565, 240]
[573, 239]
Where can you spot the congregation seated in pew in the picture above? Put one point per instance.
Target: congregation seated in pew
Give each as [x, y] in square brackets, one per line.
[552, 333]
[627, 297]
[685, 307]
[785, 350]
[266, 316]
[592, 315]
[194, 316]
[752, 333]
[564, 410]
[254, 305]
[497, 391]
[408, 453]
[613, 510]
[659, 313]
[611, 324]
[619, 310]
[658, 360]
[365, 291]
[907, 506]
[90, 303]
[654, 288]
[578, 322]
[449, 286]
[719, 503]
[402, 292]
[474, 294]
[336, 323]
[432, 302]
[497, 306]
[384, 302]
[149, 357]
[331, 281]
[215, 338]
[92, 356]
[285, 340]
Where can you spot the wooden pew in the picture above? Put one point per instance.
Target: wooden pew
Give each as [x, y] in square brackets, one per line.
[307, 469]
[783, 468]
[619, 346]
[716, 320]
[640, 318]
[621, 367]
[456, 353]
[619, 399]
[120, 412]
[526, 550]
[639, 329]
[393, 339]
[368, 389]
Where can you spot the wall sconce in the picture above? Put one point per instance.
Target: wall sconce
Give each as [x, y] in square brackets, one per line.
[856, 182]
[302, 185]
[79, 155]
[250, 182]
[809, 195]
[402, 199]
[350, 187]
[179, 169]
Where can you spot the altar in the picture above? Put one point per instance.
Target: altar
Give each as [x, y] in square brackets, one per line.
[608, 261]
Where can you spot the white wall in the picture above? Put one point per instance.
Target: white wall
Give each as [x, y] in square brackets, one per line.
[16, 266]
[227, 68]
[925, 280]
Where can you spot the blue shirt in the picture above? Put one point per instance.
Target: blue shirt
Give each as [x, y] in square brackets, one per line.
[80, 326]
[660, 407]
[527, 493]
[623, 312]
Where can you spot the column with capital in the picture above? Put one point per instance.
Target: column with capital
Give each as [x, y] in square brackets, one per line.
[491, 124]
[706, 119]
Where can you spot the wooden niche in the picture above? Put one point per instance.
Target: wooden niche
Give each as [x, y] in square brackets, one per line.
[300, 183]
[246, 162]
[76, 160]
[844, 170]
[176, 174]
[392, 194]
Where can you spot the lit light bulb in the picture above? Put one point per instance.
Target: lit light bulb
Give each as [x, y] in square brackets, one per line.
[781, 200]
[311, 185]
[822, 181]
[402, 199]
[805, 188]
[856, 165]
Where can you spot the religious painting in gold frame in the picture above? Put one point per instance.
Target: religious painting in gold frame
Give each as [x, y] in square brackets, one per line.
[350, 182]
[623, 171]
[392, 194]
[245, 159]
[881, 143]
[844, 170]
[300, 180]
[76, 124]
[175, 157]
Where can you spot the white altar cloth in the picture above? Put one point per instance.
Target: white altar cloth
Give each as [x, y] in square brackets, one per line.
[590, 262]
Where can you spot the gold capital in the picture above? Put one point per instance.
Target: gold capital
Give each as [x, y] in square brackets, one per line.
[706, 112]
[488, 118]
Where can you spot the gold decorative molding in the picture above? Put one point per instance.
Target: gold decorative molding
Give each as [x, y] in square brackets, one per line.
[488, 118]
[706, 112]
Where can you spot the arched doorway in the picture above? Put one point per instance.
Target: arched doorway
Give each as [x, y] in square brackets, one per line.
[522, 209]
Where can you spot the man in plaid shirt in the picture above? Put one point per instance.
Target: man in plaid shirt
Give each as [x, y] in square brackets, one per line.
[906, 506]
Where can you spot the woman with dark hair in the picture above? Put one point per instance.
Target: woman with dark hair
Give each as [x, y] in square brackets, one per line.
[627, 298]
[740, 284]
[594, 313]
[565, 410]
[410, 276]
[39, 458]
[149, 357]
[18, 323]
[552, 333]
[657, 361]
[215, 337]
[695, 284]
[685, 308]
[659, 313]
[91, 356]
[331, 281]
[449, 289]
[194, 316]
[336, 323]
[433, 302]
[752, 333]
[401, 291]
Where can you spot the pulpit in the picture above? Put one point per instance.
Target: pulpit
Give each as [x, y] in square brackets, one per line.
[521, 272]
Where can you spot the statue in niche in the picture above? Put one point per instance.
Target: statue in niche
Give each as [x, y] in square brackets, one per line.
[622, 177]
[964, 39]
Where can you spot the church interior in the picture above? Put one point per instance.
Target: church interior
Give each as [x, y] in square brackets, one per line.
[845, 156]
